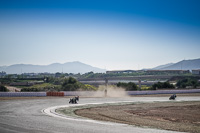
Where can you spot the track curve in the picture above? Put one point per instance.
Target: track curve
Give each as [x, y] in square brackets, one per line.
[26, 116]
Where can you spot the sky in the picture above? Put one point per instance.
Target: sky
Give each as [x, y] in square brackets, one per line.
[109, 34]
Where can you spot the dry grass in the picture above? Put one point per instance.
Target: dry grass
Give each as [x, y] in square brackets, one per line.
[177, 116]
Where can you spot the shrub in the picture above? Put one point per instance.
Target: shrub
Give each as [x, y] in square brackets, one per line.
[3, 88]
[164, 85]
[71, 84]
[187, 82]
[128, 86]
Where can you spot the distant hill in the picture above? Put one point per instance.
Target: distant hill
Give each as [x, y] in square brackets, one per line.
[182, 65]
[162, 66]
[69, 67]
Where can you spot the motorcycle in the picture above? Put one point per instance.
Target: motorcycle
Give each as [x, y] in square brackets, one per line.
[172, 97]
[74, 100]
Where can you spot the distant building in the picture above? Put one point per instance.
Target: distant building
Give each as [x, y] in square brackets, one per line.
[167, 71]
[30, 74]
[46, 74]
[196, 72]
[121, 71]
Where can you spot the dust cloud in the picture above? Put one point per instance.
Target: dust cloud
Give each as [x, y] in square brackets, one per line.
[111, 92]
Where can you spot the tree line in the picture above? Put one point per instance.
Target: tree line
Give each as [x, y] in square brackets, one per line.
[71, 84]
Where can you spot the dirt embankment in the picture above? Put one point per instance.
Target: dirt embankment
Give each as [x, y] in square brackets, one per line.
[177, 116]
[13, 89]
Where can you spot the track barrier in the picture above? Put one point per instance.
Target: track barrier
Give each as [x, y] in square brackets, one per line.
[163, 92]
[91, 93]
[22, 94]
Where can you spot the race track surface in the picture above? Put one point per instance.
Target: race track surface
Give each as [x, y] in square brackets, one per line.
[25, 115]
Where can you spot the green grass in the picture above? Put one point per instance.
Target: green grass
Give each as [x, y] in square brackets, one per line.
[43, 85]
[144, 87]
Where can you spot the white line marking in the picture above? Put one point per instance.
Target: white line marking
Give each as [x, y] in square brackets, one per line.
[51, 112]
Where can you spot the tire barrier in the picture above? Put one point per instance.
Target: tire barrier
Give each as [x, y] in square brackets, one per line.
[55, 93]
[162, 92]
[22, 94]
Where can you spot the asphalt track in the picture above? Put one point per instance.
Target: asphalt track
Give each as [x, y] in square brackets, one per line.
[28, 116]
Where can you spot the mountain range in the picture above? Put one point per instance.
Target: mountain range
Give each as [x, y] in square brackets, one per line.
[181, 65]
[78, 67]
[69, 67]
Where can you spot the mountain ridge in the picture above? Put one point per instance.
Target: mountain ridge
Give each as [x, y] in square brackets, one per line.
[68, 67]
[163, 66]
[79, 67]
[190, 64]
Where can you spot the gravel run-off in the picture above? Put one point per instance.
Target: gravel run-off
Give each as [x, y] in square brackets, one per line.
[172, 115]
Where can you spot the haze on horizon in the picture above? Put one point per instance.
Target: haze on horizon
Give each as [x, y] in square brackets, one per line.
[109, 34]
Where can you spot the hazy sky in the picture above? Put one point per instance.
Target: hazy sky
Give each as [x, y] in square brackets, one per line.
[109, 34]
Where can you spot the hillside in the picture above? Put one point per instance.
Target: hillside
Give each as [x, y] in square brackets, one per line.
[162, 66]
[182, 65]
[69, 67]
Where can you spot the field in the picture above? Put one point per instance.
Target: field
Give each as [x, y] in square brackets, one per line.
[176, 116]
